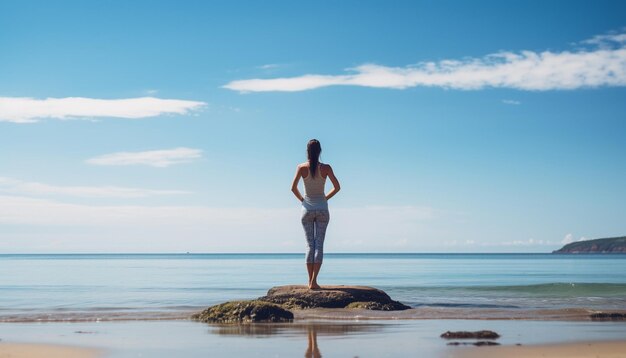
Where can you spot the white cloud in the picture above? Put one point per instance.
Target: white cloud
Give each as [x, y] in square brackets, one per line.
[511, 102]
[607, 39]
[569, 238]
[528, 242]
[15, 186]
[29, 110]
[269, 66]
[525, 70]
[155, 158]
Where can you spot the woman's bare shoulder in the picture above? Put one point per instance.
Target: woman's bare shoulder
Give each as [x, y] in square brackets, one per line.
[303, 169]
[326, 168]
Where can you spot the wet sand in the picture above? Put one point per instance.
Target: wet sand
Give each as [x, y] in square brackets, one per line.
[332, 338]
[27, 350]
[567, 350]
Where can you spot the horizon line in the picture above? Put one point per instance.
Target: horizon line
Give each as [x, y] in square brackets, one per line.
[285, 253]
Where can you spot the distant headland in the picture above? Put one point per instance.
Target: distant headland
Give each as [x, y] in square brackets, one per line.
[612, 245]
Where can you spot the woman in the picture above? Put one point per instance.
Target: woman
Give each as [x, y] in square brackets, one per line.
[315, 215]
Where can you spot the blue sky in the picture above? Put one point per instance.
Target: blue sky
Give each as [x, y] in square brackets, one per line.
[176, 126]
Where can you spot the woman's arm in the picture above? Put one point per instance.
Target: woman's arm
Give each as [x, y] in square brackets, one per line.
[294, 184]
[336, 186]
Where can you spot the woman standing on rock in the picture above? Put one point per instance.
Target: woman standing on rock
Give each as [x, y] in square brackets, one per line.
[315, 215]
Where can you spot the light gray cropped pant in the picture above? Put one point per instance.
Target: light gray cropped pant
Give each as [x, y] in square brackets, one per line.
[314, 223]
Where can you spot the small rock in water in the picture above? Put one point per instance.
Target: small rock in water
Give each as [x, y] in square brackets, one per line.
[478, 344]
[608, 316]
[470, 335]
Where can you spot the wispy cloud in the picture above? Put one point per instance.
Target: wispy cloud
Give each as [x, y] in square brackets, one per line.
[529, 242]
[606, 40]
[269, 66]
[154, 158]
[29, 110]
[511, 102]
[602, 63]
[15, 186]
[569, 238]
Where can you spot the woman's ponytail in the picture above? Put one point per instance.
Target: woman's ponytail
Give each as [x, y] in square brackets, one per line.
[313, 151]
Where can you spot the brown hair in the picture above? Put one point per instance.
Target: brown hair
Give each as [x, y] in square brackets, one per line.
[313, 151]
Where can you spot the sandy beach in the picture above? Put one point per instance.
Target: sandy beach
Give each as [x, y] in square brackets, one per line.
[567, 350]
[26, 350]
[597, 349]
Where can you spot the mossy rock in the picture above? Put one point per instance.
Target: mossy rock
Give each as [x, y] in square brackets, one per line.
[374, 306]
[244, 312]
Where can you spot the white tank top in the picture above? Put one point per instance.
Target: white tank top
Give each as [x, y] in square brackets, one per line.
[314, 197]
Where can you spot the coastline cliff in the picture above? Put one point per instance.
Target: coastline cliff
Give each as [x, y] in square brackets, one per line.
[612, 245]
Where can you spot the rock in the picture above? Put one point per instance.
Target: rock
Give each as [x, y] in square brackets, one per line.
[301, 297]
[274, 307]
[244, 312]
[478, 344]
[608, 316]
[470, 335]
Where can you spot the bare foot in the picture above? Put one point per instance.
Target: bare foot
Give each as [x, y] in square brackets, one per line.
[314, 286]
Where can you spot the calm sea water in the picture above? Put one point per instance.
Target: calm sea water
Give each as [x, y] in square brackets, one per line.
[38, 285]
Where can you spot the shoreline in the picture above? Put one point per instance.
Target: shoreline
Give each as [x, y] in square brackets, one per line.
[573, 314]
[448, 313]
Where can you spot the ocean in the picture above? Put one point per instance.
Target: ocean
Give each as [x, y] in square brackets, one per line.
[100, 287]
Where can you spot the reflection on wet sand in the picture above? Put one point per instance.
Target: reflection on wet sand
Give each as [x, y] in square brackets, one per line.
[296, 329]
[312, 351]
[308, 329]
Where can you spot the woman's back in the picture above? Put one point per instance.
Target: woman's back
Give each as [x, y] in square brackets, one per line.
[314, 196]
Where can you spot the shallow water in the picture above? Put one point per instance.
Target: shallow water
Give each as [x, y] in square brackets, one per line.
[167, 286]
